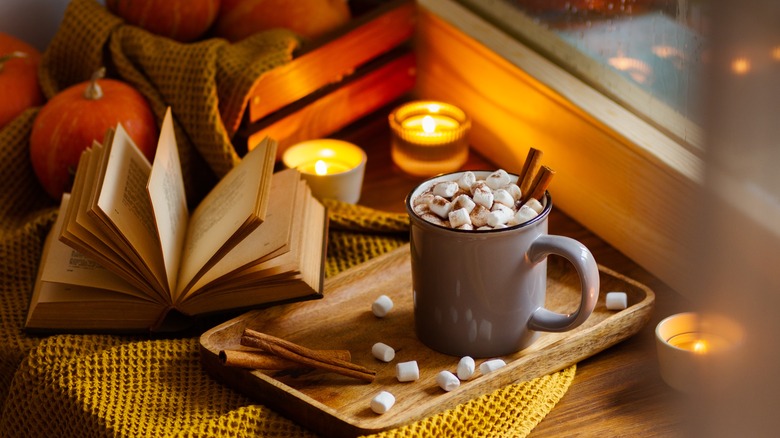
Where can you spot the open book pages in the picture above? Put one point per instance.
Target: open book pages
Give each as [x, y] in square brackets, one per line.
[126, 251]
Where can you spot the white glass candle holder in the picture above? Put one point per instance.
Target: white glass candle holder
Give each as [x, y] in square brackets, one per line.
[429, 137]
[688, 343]
[333, 169]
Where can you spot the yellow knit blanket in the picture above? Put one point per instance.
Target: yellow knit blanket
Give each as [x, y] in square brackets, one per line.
[102, 385]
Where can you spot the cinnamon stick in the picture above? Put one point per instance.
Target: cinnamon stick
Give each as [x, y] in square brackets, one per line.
[527, 175]
[257, 360]
[540, 184]
[305, 356]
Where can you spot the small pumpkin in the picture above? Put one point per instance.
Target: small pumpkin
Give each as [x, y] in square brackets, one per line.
[239, 19]
[75, 117]
[181, 20]
[18, 78]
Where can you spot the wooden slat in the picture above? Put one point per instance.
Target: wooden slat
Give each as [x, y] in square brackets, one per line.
[362, 94]
[372, 35]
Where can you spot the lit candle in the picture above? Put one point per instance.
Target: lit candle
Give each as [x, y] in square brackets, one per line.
[333, 168]
[686, 342]
[429, 137]
[699, 343]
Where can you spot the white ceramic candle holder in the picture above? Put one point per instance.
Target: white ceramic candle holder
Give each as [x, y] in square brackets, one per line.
[333, 169]
[687, 343]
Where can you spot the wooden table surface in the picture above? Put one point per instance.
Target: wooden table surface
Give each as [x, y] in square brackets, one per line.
[618, 392]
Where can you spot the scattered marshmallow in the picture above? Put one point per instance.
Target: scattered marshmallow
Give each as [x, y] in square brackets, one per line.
[489, 366]
[466, 367]
[459, 217]
[382, 402]
[616, 300]
[407, 371]
[447, 381]
[383, 352]
[381, 306]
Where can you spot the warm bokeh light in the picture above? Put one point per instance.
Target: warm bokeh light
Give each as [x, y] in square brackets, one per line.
[740, 66]
[700, 347]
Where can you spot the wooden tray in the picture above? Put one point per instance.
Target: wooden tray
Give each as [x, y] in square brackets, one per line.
[339, 406]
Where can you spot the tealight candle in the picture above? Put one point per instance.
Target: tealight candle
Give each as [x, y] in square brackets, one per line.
[333, 168]
[429, 137]
[687, 341]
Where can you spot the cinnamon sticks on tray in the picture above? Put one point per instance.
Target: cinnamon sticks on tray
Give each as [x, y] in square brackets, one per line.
[274, 353]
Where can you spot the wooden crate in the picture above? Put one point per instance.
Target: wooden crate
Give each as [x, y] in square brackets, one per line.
[335, 81]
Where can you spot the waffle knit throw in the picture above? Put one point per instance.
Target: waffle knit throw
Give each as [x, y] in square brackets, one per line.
[131, 386]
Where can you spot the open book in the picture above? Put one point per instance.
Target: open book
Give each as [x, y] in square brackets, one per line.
[125, 254]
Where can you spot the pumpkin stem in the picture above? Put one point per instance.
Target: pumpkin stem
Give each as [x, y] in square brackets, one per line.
[93, 90]
[10, 56]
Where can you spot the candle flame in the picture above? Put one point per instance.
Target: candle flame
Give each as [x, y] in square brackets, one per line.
[320, 167]
[428, 124]
[700, 347]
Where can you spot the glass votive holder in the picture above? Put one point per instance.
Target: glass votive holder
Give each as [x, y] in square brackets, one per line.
[690, 343]
[333, 169]
[429, 137]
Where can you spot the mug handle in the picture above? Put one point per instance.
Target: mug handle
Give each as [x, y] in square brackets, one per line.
[577, 254]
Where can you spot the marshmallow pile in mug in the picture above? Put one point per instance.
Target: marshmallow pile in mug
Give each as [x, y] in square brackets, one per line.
[469, 203]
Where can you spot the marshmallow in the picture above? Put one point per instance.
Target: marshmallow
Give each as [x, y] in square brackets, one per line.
[447, 381]
[467, 227]
[616, 300]
[432, 218]
[445, 189]
[440, 206]
[523, 215]
[482, 196]
[381, 306]
[383, 352]
[498, 179]
[463, 201]
[423, 199]
[500, 215]
[503, 197]
[459, 217]
[479, 216]
[513, 190]
[534, 204]
[489, 366]
[382, 402]
[466, 368]
[407, 371]
[466, 180]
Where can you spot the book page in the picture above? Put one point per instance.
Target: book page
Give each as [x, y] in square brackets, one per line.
[228, 213]
[169, 202]
[267, 239]
[62, 264]
[124, 202]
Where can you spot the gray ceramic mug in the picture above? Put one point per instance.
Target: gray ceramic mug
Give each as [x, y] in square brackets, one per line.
[482, 293]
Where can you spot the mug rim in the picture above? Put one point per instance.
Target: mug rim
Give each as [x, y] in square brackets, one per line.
[415, 217]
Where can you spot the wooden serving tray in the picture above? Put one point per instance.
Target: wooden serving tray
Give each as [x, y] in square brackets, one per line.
[334, 405]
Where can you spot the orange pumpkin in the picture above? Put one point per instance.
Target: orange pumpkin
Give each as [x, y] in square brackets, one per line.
[71, 120]
[18, 78]
[239, 19]
[182, 20]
